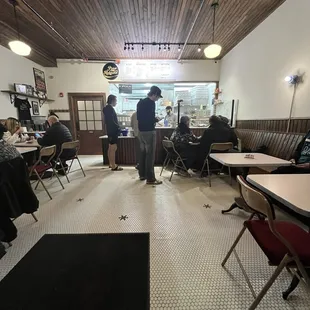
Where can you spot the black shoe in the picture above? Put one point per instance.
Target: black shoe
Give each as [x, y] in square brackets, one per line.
[142, 179]
[154, 182]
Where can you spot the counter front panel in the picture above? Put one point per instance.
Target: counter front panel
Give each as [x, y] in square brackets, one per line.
[126, 154]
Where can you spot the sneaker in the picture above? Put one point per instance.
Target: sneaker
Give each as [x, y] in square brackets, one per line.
[191, 172]
[155, 182]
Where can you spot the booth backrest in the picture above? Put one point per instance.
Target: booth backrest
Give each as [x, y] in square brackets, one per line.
[281, 145]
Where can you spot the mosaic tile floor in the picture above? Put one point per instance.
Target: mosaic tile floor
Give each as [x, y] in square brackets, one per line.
[188, 241]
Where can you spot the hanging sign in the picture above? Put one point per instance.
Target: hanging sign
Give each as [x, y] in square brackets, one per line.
[110, 71]
[125, 88]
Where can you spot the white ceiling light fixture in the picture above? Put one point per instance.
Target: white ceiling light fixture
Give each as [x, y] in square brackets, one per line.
[213, 50]
[17, 46]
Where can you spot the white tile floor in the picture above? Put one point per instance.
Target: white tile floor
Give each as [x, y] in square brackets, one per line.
[188, 241]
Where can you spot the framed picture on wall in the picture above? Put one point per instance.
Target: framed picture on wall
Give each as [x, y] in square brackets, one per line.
[39, 79]
[35, 108]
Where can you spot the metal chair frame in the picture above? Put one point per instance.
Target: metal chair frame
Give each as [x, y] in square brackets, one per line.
[70, 146]
[216, 147]
[168, 145]
[50, 152]
[259, 204]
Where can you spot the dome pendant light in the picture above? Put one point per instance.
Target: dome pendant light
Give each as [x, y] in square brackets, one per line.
[213, 50]
[17, 46]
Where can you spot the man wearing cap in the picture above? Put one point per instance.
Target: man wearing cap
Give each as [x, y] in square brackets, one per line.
[146, 123]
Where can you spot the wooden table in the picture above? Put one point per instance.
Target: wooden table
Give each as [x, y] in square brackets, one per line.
[290, 190]
[32, 143]
[24, 150]
[239, 160]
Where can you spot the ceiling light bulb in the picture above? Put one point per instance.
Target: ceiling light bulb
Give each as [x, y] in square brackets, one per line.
[179, 48]
[288, 79]
[212, 51]
[20, 48]
[199, 49]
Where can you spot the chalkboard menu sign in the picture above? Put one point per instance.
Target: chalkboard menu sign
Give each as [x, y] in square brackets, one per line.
[125, 88]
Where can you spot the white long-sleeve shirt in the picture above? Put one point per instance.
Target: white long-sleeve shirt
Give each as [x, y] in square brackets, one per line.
[13, 138]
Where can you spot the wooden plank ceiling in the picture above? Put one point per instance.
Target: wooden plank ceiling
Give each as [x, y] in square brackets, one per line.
[99, 28]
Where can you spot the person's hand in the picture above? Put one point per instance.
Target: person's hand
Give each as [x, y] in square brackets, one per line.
[19, 131]
[157, 119]
[293, 161]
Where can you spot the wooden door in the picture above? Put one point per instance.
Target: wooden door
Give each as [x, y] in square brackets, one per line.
[87, 120]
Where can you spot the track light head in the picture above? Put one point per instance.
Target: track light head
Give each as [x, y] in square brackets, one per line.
[168, 48]
[179, 48]
[132, 48]
[199, 49]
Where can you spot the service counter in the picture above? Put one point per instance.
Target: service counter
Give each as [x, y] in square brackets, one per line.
[126, 154]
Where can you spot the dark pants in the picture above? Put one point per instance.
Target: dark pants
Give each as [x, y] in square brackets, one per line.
[290, 170]
[188, 152]
[137, 146]
[147, 155]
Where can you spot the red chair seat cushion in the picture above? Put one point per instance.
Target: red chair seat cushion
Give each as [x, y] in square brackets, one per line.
[273, 248]
[42, 168]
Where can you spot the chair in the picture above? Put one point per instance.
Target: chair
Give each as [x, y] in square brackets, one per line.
[174, 156]
[218, 147]
[40, 167]
[73, 145]
[285, 244]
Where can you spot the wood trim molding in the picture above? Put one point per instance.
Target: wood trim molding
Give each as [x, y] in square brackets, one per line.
[276, 125]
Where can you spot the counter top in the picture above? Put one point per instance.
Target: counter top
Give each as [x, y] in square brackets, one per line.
[119, 137]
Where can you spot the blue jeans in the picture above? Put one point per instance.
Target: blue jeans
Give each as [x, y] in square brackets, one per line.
[147, 155]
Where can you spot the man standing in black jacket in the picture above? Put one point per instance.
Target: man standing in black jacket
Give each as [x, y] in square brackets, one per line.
[147, 134]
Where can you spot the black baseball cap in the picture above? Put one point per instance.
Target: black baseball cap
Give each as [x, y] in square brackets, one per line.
[155, 91]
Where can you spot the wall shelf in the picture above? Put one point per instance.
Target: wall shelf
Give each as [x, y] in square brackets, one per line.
[14, 94]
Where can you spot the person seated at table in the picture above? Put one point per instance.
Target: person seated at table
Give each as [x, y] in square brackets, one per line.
[217, 132]
[182, 136]
[225, 122]
[300, 160]
[57, 134]
[14, 131]
[7, 151]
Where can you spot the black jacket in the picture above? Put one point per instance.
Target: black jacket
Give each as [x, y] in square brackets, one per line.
[216, 134]
[146, 115]
[298, 150]
[111, 121]
[16, 195]
[57, 134]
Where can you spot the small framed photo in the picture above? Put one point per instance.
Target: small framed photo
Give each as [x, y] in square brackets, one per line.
[35, 108]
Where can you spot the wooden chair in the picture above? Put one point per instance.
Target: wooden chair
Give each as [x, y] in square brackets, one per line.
[217, 147]
[285, 244]
[73, 145]
[174, 156]
[40, 167]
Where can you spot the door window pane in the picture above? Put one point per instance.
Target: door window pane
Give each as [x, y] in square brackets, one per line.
[98, 125]
[98, 115]
[82, 115]
[83, 125]
[97, 105]
[89, 105]
[90, 125]
[81, 105]
[90, 116]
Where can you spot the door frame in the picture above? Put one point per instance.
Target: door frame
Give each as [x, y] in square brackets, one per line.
[71, 108]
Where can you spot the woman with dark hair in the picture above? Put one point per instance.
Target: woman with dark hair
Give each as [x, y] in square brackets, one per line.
[113, 130]
[182, 137]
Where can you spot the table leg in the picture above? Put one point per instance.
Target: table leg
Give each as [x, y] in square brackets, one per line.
[293, 285]
[232, 207]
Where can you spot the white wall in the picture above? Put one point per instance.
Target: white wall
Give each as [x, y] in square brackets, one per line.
[254, 70]
[87, 77]
[15, 69]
